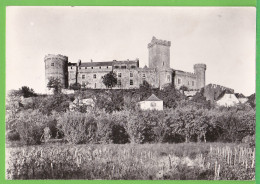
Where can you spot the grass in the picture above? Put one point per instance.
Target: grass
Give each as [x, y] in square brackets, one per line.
[184, 161]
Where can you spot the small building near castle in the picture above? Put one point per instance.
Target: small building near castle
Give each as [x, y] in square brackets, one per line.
[152, 103]
[228, 100]
[129, 75]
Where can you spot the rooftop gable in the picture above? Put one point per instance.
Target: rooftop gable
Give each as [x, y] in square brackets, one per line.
[153, 98]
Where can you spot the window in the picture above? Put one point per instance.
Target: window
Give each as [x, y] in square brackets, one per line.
[107, 66]
[168, 78]
[92, 67]
[116, 66]
[94, 76]
[119, 82]
[188, 83]
[71, 67]
[119, 74]
[131, 74]
[79, 67]
[143, 75]
[52, 64]
[179, 81]
[100, 67]
[132, 66]
[192, 83]
[83, 76]
[153, 104]
[124, 67]
[131, 82]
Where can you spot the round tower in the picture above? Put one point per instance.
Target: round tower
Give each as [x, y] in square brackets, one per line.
[199, 70]
[56, 66]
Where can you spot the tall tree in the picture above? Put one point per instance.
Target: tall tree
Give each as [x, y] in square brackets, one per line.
[110, 79]
[55, 83]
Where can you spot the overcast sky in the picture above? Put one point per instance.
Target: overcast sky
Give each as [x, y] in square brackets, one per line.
[221, 37]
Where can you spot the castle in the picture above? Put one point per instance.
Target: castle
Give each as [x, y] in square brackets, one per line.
[129, 74]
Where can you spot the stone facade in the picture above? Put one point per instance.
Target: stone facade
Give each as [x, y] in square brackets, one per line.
[129, 75]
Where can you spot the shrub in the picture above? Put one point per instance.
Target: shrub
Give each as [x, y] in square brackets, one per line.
[119, 133]
[30, 126]
[13, 135]
[104, 128]
[140, 127]
[78, 127]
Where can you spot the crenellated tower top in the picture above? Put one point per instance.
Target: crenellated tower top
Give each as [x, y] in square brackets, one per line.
[156, 41]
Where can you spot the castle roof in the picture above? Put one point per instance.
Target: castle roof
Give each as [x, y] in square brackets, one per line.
[104, 63]
[153, 98]
[90, 64]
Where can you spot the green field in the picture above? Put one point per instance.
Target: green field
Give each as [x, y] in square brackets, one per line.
[183, 161]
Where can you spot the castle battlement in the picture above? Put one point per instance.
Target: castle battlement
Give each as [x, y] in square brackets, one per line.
[189, 74]
[156, 41]
[58, 56]
[200, 65]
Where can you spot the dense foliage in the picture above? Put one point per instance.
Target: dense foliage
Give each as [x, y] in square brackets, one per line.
[109, 79]
[117, 118]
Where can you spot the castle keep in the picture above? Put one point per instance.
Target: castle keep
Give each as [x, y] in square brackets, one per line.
[129, 74]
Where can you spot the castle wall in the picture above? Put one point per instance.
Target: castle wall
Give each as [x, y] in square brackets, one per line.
[150, 75]
[165, 77]
[199, 70]
[185, 79]
[91, 78]
[213, 91]
[128, 78]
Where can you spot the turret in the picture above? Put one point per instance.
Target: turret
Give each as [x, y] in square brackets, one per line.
[56, 66]
[199, 70]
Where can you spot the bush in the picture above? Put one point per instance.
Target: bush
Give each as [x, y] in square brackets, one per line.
[30, 126]
[78, 128]
[104, 128]
[119, 133]
[140, 127]
[13, 135]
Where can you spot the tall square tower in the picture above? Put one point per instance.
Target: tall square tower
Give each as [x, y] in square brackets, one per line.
[159, 54]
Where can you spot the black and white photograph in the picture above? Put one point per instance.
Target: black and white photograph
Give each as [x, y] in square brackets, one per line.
[130, 93]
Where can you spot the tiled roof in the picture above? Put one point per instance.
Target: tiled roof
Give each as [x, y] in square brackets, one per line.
[104, 63]
[153, 98]
[89, 64]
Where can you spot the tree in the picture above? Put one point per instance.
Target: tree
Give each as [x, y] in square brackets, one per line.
[145, 90]
[185, 122]
[110, 79]
[75, 86]
[170, 96]
[55, 83]
[184, 88]
[26, 92]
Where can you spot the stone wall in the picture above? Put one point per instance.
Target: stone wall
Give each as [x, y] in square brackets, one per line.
[199, 70]
[185, 79]
[150, 75]
[213, 91]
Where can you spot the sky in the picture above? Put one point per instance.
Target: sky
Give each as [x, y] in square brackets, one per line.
[223, 38]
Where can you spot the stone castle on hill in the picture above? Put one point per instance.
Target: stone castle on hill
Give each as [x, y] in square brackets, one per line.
[129, 74]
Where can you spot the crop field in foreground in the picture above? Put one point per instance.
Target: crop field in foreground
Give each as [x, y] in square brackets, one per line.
[184, 161]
